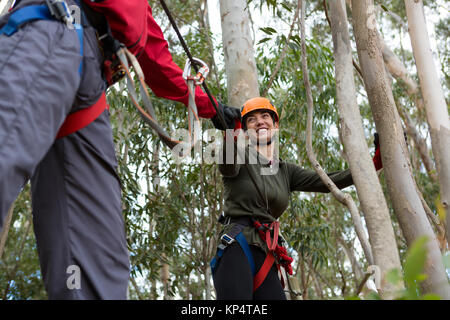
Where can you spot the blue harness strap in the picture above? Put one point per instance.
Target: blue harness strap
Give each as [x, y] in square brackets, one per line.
[32, 13]
[226, 240]
[25, 15]
[79, 30]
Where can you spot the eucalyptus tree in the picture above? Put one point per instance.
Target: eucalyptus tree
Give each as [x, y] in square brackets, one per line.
[400, 182]
[370, 193]
[433, 95]
[242, 78]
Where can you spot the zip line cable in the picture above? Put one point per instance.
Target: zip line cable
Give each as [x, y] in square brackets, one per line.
[193, 62]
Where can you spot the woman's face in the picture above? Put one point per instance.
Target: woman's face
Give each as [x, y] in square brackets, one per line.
[261, 126]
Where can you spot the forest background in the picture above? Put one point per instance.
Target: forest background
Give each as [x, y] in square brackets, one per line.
[171, 209]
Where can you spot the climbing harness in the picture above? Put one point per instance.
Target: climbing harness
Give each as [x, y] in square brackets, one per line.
[269, 233]
[82, 118]
[59, 11]
[276, 252]
[52, 10]
[235, 234]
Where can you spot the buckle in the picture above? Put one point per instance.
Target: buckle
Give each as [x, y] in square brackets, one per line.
[201, 74]
[226, 239]
[225, 220]
[60, 10]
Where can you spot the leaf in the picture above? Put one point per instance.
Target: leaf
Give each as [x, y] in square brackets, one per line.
[352, 298]
[431, 296]
[264, 40]
[415, 262]
[373, 296]
[268, 30]
[440, 208]
[393, 276]
[384, 8]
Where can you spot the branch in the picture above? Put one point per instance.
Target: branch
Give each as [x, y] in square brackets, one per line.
[363, 282]
[343, 198]
[419, 143]
[6, 226]
[136, 288]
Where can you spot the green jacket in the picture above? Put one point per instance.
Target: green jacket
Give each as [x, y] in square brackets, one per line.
[243, 199]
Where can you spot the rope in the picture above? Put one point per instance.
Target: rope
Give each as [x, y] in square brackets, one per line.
[126, 59]
[193, 62]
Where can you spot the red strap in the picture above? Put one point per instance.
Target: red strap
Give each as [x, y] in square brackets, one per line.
[80, 119]
[274, 248]
[270, 259]
[263, 271]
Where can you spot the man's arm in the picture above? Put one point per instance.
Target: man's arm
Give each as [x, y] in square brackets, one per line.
[308, 180]
[132, 23]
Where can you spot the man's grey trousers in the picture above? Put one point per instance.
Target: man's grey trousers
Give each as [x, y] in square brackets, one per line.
[76, 197]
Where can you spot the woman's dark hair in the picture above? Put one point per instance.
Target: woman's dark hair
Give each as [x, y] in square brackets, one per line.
[244, 119]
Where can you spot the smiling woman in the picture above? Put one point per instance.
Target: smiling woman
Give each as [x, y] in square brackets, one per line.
[260, 120]
[256, 193]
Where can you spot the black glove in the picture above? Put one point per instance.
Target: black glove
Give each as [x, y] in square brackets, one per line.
[377, 157]
[376, 140]
[229, 114]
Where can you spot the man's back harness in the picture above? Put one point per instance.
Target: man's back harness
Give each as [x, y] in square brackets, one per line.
[59, 11]
[117, 60]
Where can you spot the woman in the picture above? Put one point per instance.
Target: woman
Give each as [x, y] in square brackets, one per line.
[250, 251]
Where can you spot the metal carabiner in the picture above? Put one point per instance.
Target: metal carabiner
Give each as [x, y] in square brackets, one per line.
[201, 74]
[60, 10]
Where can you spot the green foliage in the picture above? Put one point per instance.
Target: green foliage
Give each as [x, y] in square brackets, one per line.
[412, 275]
[20, 276]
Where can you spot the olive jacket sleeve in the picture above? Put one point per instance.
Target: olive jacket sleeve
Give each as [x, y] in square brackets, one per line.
[308, 180]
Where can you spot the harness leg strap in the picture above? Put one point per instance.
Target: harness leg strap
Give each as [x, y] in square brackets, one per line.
[263, 271]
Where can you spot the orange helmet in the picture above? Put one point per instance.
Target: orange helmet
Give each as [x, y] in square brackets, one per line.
[258, 103]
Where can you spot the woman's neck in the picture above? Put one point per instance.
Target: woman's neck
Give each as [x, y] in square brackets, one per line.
[267, 150]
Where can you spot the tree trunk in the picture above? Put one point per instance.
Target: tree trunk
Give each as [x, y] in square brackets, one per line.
[208, 288]
[433, 95]
[399, 72]
[5, 230]
[242, 80]
[370, 193]
[400, 182]
[165, 276]
[344, 198]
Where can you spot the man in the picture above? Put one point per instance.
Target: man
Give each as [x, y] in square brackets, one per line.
[47, 71]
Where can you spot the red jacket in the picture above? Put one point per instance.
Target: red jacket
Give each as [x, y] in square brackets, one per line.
[132, 24]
